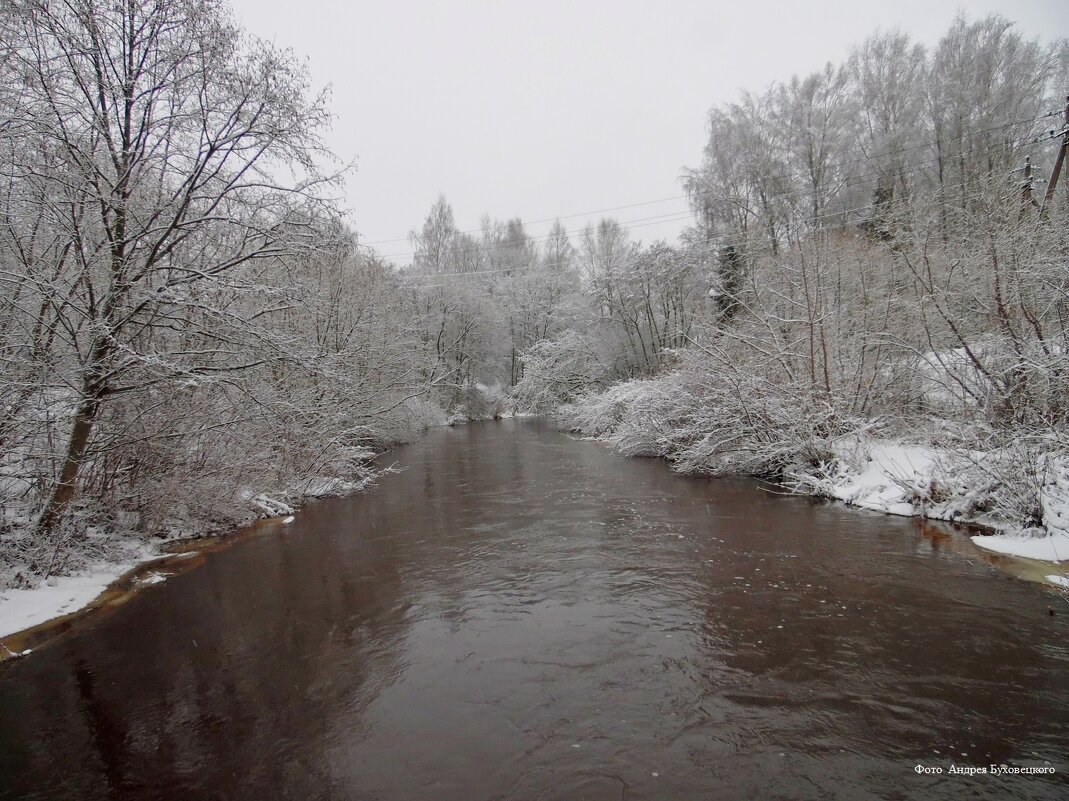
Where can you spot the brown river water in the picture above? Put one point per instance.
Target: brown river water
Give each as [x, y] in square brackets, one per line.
[521, 615]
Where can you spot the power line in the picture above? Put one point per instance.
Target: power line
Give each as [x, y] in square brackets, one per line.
[703, 245]
[679, 216]
[547, 219]
[674, 216]
[687, 196]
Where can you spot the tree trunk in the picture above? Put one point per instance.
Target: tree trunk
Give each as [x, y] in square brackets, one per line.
[63, 494]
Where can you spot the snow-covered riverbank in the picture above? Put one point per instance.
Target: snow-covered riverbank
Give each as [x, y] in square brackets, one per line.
[117, 554]
[61, 595]
[57, 596]
[1017, 490]
[913, 480]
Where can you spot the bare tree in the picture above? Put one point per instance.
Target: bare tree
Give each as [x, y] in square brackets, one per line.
[178, 155]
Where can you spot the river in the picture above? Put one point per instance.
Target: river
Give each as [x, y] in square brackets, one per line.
[517, 614]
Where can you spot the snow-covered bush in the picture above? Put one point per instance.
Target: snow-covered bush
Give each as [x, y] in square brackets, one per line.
[478, 402]
[421, 414]
[711, 422]
[1018, 483]
[597, 414]
[990, 378]
[300, 405]
[557, 371]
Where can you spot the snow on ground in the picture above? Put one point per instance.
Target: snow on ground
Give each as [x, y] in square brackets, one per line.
[882, 476]
[899, 479]
[1052, 543]
[272, 507]
[1049, 548]
[58, 596]
[21, 609]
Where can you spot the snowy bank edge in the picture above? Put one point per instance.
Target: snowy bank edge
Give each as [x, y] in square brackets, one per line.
[23, 610]
[24, 613]
[1049, 548]
[882, 484]
[891, 466]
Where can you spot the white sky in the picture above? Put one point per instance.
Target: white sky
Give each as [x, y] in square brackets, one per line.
[549, 107]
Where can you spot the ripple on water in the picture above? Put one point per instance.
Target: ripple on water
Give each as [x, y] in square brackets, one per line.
[521, 615]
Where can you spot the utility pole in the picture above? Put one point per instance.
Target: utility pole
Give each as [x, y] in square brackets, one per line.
[1049, 196]
[1026, 187]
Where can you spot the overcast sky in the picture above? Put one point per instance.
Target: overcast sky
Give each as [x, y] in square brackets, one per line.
[557, 107]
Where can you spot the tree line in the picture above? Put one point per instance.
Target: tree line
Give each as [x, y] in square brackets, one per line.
[190, 329]
[885, 259]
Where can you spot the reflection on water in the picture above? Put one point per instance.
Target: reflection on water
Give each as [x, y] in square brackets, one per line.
[523, 616]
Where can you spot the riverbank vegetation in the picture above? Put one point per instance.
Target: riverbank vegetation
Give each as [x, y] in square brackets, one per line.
[876, 274]
[192, 333]
[189, 333]
[883, 268]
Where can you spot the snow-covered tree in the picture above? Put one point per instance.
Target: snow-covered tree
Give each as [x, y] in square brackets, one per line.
[167, 135]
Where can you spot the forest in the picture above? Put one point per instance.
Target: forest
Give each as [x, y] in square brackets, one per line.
[193, 332]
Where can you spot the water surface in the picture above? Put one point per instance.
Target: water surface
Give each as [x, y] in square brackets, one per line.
[520, 615]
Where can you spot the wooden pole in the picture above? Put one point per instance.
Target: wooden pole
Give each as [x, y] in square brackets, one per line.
[1026, 187]
[1057, 171]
